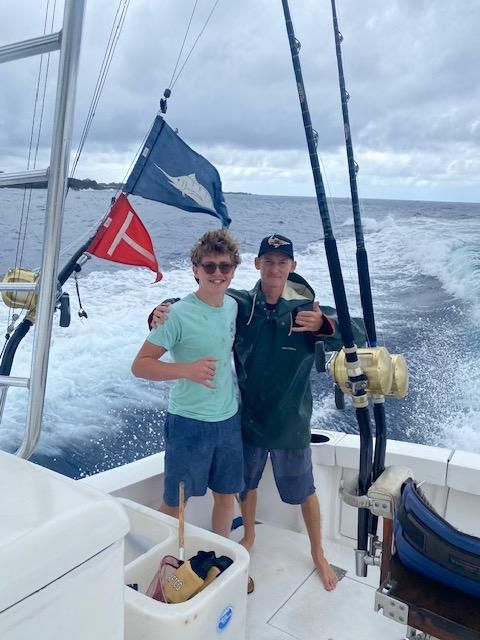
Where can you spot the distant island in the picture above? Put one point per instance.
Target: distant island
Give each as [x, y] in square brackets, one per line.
[78, 185]
[75, 184]
[87, 183]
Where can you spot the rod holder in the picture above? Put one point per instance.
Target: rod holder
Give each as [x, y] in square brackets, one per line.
[360, 563]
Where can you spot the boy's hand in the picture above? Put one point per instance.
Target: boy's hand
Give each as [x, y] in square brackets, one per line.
[202, 371]
[160, 315]
[309, 320]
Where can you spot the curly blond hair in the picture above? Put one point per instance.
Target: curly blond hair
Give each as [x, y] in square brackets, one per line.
[215, 242]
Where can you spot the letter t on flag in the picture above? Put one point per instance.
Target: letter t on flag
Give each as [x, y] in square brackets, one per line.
[123, 238]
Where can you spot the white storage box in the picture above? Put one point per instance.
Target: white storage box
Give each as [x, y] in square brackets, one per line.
[61, 554]
[219, 608]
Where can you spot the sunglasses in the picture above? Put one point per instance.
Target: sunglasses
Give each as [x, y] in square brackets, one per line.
[211, 267]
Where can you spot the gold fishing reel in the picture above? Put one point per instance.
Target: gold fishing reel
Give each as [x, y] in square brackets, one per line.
[387, 373]
[21, 299]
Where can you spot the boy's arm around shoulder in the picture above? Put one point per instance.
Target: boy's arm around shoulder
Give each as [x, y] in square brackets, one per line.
[244, 300]
[157, 315]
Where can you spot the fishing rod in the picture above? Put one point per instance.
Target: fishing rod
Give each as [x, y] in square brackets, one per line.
[362, 259]
[362, 267]
[357, 380]
[387, 374]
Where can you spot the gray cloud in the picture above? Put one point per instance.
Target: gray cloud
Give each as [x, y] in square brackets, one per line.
[409, 66]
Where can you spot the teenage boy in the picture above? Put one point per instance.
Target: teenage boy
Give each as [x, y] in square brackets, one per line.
[277, 325]
[203, 443]
[274, 351]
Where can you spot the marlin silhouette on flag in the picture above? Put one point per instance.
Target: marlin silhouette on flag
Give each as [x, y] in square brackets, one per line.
[168, 170]
[123, 238]
[189, 186]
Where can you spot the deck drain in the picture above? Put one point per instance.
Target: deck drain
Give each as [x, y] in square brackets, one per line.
[339, 572]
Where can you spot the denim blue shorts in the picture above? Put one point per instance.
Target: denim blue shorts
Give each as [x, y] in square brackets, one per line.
[203, 455]
[292, 470]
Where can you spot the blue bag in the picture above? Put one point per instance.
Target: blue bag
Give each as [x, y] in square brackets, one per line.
[428, 544]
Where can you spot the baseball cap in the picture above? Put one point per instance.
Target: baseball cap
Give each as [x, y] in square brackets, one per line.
[276, 244]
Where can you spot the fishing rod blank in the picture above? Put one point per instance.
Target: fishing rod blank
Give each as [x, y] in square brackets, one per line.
[378, 465]
[394, 366]
[362, 259]
[357, 380]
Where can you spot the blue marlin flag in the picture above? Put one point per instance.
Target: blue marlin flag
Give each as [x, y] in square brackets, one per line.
[169, 171]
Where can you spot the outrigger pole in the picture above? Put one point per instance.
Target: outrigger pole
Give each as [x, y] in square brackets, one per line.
[362, 267]
[357, 381]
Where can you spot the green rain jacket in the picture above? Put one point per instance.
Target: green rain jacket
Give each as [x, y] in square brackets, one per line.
[273, 364]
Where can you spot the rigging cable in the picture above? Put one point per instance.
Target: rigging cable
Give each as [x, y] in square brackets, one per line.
[196, 41]
[183, 43]
[173, 79]
[114, 36]
[362, 268]
[168, 91]
[26, 203]
[9, 352]
[15, 336]
[30, 163]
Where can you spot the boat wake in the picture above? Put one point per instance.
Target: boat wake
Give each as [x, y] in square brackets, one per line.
[426, 285]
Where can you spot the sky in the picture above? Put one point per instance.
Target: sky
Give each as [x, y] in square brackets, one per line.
[411, 69]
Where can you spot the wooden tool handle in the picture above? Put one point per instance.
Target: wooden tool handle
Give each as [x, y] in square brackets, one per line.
[181, 521]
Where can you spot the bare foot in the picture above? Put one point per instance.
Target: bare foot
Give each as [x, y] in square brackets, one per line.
[247, 542]
[326, 573]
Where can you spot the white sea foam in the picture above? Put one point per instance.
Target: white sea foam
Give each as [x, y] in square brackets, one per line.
[440, 249]
[370, 225]
[89, 376]
[89, 379]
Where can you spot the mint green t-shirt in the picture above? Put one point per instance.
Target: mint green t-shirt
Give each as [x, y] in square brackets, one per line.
[196, 330]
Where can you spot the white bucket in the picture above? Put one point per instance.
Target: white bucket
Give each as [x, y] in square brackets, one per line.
[219, 609]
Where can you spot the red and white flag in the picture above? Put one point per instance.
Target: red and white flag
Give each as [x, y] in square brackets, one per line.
[123, 238]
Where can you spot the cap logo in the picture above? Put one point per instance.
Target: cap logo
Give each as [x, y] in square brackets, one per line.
[275, 242]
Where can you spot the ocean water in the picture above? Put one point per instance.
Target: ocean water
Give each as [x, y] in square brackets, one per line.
[425, 270]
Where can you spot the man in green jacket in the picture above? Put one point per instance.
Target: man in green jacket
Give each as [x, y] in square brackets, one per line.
[278, 323]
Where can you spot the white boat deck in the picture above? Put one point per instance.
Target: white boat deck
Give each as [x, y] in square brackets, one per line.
[290, 603]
